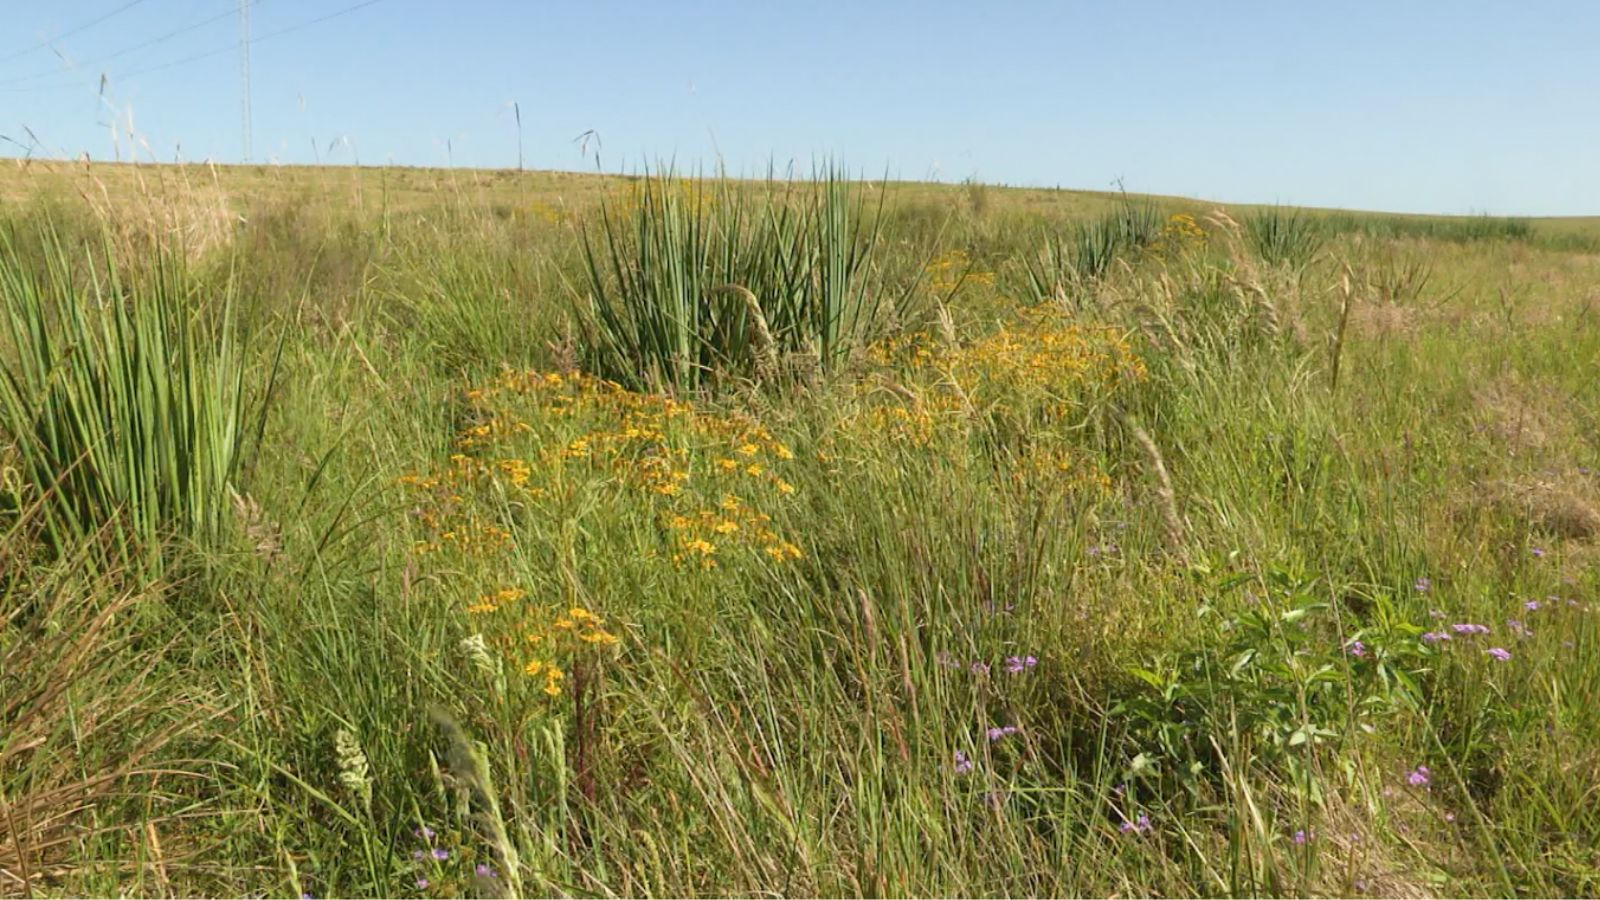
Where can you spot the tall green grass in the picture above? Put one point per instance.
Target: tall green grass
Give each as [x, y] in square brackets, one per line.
[124, 398]
[1283, 237]
[1068, 260]
[690, 281]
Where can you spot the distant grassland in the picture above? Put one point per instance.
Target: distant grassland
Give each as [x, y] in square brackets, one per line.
[374, 189]
[408, 532]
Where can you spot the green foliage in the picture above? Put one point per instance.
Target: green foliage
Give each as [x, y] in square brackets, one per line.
[1275, 678]
[1067, 262]
[1283, 237]
[125, 399]
[983, 544]
[688, 282]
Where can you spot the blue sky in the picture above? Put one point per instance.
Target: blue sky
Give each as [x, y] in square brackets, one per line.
[1414, 106]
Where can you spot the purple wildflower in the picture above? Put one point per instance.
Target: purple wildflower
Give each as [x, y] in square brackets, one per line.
[1301, 836]
[419, 855]
[1423, 584]
[1531, 605]
[441, 854]
[1449, 817]
[422, 884]
[1517, 628]
[1016, 665]
[1419, 777]
[1469, 628]
[1538, 552]
[997, 733]
[1435, 613]
[1356, 649]
[1434, 637]
[485, 870]
[980, 668]
[1500, 653]
[1141, 825]
[963, 764]
[425, 833]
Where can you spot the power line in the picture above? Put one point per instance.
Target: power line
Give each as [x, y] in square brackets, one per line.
[244, 71]
[71, 31]
[159, 39]
[253, 41]
[206, 55]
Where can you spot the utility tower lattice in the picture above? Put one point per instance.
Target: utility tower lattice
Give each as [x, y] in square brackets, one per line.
[244, 72]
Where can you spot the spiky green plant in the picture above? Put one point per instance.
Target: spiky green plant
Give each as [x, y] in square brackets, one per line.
[124, 403]
[1283, 238]
[1087, 251]
[688, 283]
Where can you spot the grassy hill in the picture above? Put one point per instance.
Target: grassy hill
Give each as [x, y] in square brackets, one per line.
[414, 532]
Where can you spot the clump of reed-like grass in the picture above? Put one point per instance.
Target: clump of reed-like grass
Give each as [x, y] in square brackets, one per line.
[687, 282]
[124, 398]
[1283, 237]
[1086, 252]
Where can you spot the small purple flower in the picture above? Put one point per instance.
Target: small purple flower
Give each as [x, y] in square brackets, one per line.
[1360, 885]
[425, 833]
[1419, 777]
[422, 884]
[1531, 605]
[1435, 613]
[980, 668]
[1500, 653]
[1517, 628]
[1469, 628]
[485, 870]
[1141, 825]
[1423, 584]
[1538, 552]
[419, 855]
[1016, 665]
[1356, 649]
[306, 896]
[1434, 637]
[997, 733]
[441, 854]
[963, 764]
[1449, 817]
[1301, 836]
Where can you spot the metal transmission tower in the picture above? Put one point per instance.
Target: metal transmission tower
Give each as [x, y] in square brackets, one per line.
[244, 72]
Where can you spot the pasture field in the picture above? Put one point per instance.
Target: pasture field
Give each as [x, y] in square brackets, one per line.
[384, 532]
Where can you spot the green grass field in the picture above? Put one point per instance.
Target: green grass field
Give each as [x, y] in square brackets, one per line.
[448, 533]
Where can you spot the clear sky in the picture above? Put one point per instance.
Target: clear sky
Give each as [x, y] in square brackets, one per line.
[1444, 106]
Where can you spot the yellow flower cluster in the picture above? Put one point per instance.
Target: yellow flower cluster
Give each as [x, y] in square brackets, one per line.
[1181, 232]
[733, 522]
[1046, 356]
[530, 439]
[562, 634]
[1009, 386]
[549, 213]
[953, 269]
[529, 431]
